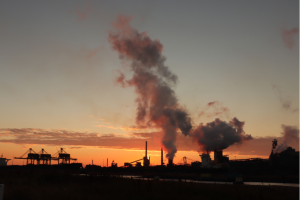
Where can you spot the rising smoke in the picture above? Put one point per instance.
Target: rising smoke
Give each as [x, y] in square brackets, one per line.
[219, 135]
[290, 134]
[285, 102]
[288, 36]
[156, 100]
[214, 108]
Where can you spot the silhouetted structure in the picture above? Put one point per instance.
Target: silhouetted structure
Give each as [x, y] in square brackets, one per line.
[138, 164]
[146, 160]
[162, 157]
[206, 160]
[219, 158]
[170, 164]
[32, 157]
[45, 158]
[113, 164]
[63, 157]
[287, 158]
[3, 161]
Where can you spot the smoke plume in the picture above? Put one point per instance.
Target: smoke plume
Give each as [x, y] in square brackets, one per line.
[214, 108]
[84, 11]
[288, 36]
[219, 135]
[156, 100]
[289, 134]
[285, 102]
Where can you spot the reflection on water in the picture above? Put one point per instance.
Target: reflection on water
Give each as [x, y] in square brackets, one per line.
[218, 182]
[270, 184]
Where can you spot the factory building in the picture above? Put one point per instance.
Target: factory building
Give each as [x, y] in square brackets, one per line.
[219, 158]
[145, 159]
[286, 158]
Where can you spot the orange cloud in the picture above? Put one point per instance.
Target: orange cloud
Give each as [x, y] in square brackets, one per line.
[28, 136]
[112, 127]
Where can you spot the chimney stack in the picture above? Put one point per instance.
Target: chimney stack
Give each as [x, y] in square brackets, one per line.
[146, 150]
[170, 163]
[162, 157]
[146, 160]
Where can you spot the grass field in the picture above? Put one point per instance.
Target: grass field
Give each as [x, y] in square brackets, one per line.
[54, 186]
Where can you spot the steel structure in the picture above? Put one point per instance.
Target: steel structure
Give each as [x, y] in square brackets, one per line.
[146, 160]
[45, 158]
[138, 164]
[184, 161]
[32, 157]
[63, 157]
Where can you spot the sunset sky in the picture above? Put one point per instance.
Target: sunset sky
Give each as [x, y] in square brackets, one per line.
[58, 75]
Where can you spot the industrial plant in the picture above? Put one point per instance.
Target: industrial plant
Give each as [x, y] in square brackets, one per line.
[220, 168]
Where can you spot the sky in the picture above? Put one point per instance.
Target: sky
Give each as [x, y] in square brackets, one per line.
[59, 75]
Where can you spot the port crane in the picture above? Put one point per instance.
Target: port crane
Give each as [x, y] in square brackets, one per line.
[62, 156]
[32, 156]
[45, 157]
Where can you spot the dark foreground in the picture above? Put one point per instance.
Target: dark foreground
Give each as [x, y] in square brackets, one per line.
[55, 186]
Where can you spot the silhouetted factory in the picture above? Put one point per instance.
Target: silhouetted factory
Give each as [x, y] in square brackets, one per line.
[286, 161]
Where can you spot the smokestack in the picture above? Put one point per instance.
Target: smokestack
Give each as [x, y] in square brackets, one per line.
[170, 162]
[146, 150]
[162, 157]
[107, 163]
[218, 156]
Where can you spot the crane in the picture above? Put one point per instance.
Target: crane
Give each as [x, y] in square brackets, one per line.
[63, 156]
[45, 157]
[31, 157]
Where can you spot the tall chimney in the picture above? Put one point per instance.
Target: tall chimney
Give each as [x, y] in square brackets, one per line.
[107, 163]
[170, 162]
[162, 157]
[146, 150]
